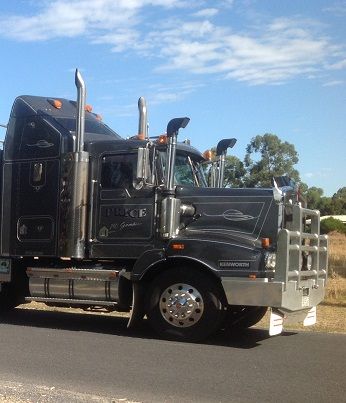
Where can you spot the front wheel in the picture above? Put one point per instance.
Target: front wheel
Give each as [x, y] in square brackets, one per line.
[185, 305]
[8, 300]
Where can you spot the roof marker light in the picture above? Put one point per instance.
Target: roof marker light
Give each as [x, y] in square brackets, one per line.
[56, 103]
[163, 139]
[208, 155]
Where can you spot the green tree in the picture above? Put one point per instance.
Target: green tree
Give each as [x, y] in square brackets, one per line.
[340, 194]
[331, 224]
[325, 206]
[234, 172]
[267, 156]
[313, 197]
[339, 202]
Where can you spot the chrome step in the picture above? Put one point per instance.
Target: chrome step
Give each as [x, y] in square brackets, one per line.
[72, 273]
[69, 301]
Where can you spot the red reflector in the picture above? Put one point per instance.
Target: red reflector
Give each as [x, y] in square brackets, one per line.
[252, 276]
[178, 246]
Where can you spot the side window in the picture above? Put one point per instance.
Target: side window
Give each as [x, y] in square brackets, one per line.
[118, 171]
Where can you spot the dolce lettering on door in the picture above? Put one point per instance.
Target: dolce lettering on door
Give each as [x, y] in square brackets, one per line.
[124, 212]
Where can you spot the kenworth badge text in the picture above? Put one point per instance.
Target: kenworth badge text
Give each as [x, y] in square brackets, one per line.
[92, 220]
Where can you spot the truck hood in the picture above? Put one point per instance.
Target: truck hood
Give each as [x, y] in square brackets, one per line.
[229, 214]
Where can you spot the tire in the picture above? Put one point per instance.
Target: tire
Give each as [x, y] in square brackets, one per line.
[242, 317]
[185, 305]
[8, 300]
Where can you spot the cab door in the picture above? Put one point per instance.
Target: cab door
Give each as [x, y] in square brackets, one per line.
[124, 225]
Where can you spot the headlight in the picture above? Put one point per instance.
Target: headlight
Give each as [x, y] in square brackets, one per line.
[306, 261]
[270, 260]
[309, 262]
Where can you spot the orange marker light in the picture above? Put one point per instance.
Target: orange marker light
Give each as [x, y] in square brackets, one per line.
[178, 246]
[56, 103]
[252, 276]
[88, 108]
[208, 155]
[265, 243]
[162, 139]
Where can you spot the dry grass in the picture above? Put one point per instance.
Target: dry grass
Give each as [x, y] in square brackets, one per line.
[336, 290]
[337, 253]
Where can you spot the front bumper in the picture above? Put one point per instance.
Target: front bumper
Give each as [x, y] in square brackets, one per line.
[262, 292]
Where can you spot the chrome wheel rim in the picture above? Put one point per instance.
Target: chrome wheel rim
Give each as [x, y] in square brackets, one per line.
[181, 305]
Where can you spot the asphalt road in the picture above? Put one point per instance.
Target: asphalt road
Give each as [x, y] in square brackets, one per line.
[60, 357]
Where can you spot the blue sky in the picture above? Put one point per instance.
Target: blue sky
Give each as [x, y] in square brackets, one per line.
[236, 68]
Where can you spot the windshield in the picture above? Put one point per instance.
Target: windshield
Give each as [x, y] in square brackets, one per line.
[187, 170]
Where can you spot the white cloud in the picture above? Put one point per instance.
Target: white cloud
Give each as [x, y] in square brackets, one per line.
[159, 94]
[206, 12]
[323, 173]
[338, 9]
[255, 57]
[334, 83]
[340, 65]
[271, 53]
[64, 18]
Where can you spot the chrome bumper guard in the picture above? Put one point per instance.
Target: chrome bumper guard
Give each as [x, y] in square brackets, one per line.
[294, 287]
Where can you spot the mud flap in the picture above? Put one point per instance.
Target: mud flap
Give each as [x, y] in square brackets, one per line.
[138, 305]
[311, 317]
[276, 322]
[279, 318]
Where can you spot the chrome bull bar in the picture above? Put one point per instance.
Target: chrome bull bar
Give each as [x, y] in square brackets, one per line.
[296, 285]
[294, 242]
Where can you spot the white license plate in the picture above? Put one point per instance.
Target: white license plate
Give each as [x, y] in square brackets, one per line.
[305, 301]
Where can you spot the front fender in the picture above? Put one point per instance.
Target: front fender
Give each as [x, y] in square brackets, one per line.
[223, 258]
[146, 261]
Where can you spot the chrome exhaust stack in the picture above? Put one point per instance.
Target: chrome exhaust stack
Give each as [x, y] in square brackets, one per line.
[172, 133]
[80, 117]
[170, 206]
[143, 119]
[221, 151]
[74, 185]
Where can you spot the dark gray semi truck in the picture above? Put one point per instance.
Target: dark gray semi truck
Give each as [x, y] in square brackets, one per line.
[92, 220]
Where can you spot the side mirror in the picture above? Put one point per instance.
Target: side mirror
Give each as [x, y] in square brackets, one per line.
[143, 166]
